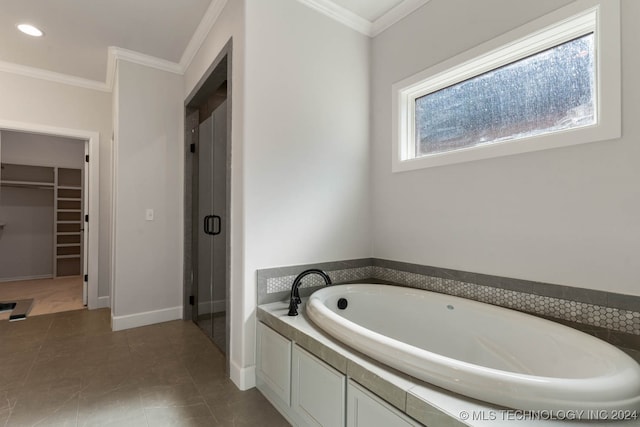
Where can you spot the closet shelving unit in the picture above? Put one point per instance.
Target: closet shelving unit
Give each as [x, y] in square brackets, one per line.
[66, 185]
[68, 222]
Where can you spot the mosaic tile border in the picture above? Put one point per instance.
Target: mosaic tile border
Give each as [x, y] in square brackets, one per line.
[613, 312]
[274, 284]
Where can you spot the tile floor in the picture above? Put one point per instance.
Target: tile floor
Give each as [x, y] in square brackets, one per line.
[69, 369]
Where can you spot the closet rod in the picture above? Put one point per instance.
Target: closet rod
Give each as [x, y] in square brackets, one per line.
[36, 186]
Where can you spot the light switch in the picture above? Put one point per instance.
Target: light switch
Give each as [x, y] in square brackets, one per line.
[149, 216]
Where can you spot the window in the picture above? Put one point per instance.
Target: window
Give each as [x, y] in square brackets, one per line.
[547, 92]
[545, 86]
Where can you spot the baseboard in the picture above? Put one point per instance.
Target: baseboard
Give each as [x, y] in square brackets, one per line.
[243, 378]
[129, 321]
[20, 278]
[104, 302]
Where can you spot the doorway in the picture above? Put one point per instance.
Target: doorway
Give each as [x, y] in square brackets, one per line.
[43, 203]
[207, 202]
[71, 193]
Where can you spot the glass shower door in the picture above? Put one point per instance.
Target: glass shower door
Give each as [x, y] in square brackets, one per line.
[212, 235]
[204, 300]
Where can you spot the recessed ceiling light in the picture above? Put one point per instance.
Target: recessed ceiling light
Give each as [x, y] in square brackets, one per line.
[30, 30]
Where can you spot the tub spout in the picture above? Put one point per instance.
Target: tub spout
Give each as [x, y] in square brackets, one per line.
[295, 295]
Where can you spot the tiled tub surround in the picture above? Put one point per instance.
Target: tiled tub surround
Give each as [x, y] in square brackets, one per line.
[421, 401]
[612, 317]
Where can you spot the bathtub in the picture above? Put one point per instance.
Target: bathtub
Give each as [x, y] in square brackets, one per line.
[481, 351]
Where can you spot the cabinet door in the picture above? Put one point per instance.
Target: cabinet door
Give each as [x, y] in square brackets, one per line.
[367, 410]
[318, 391]
[274, 364]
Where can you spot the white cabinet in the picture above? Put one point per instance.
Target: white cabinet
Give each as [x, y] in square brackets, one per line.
[318, 391]
[309, 392]
[367, 410]
[274, 366]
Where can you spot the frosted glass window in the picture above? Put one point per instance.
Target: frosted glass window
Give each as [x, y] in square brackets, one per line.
[551, 91]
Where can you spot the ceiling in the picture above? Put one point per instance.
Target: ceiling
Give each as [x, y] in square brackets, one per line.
[371, 10]
[78, 33]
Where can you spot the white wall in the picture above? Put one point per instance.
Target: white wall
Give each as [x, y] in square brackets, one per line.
[41, 102]
[567, 216]
[306, 147]
[147, 279]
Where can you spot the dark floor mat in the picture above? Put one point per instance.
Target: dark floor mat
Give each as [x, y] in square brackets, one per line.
[19, 309]
[7, 306]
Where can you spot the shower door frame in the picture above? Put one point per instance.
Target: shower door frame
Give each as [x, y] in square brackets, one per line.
[219, 72]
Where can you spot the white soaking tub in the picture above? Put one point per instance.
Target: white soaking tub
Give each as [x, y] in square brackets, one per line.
[482, 351]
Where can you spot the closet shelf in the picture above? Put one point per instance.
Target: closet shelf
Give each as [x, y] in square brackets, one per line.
[67, 256]
[66, 187]
[69, 198]
[69, 233]
[27, 184]
[69, 222]
[67, 245]
[69, 210]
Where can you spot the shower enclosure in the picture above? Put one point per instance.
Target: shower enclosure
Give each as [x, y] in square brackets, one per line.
[207, 202]
[210, 230]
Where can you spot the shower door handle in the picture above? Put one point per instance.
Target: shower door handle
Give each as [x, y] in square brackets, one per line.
[218, 224]
[207, 224]
[217, 221]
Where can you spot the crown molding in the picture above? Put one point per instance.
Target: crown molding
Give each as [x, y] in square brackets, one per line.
[52, 76]
[114, 54]
[119, 53]
[356, 22]
[340, 14]
[208, 20]
[407, 7]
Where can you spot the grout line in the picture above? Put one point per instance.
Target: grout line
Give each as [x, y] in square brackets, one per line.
[202, 397]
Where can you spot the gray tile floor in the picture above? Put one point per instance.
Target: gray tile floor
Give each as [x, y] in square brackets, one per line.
[69, 369]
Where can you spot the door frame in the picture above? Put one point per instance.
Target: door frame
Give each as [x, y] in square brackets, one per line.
[205, 87]
[92, 192]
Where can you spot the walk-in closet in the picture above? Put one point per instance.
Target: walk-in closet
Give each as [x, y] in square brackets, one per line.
[42, 195]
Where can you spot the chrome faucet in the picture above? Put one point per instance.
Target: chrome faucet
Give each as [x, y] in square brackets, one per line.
[295, 295]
